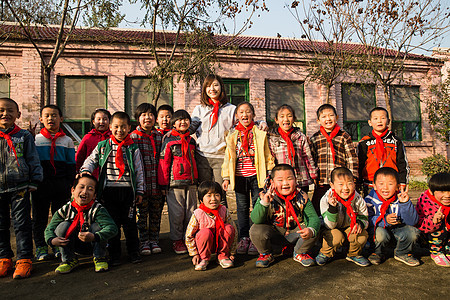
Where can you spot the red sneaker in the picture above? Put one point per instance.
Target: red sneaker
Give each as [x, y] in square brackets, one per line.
[179, 247]
[5, 266]
[23, 268]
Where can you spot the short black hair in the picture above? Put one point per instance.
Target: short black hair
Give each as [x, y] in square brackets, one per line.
[10, 101]
[246, 103]
[208, 186]
[121, 115]
[378, 108]
[165, 107]
[281, 167]
[439, 182]
[100, 110]
[180, 114]
[323, 107]
[340, 172]
[85, 175]
[143, 108]
[52, 106]
[288, 107]
[387, 171]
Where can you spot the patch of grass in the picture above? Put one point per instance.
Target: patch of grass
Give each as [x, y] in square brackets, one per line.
[418, 185]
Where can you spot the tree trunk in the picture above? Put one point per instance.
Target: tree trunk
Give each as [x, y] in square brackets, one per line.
[156, 96]
[46, 91]
[388, 103]
[328, 88]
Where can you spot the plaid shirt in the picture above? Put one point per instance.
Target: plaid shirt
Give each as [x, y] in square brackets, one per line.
[150, 159]
[305, 168]
[345, 155]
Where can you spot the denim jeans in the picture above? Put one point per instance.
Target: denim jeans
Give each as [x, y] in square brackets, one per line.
[243, 187]
[76, 245]
[20, 212]
[405, 236]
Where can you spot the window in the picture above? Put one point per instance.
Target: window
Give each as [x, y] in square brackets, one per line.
[4, 86]
[78, 97]
[357, 102]
[405, 106]
[237, 90]
[137, 92]
[285, 92]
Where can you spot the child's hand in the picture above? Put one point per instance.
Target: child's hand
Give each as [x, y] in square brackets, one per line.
[305, 233]
[86, 236]
[138, 199]
[392, 219]
[84, 172]
[196, 259]
[438, 216]
[332, 200]
[304, 195]
[263, 126]
[404, 188]
[356, 229]
[403, 197]
[60, 241]
[268, 196]
[225, 185]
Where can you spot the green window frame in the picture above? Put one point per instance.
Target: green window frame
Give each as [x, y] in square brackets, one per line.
[137, 91]
[4, 86]
[357, 102]
[279, 92]
[406, 115]
[78, 97]
[237, 90]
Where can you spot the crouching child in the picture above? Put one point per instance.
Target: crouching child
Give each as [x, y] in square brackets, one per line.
[81, 226]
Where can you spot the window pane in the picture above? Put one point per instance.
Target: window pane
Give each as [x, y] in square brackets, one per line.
[364, 129]
[237, 90]
[357, 101]
[285, 92]
[412, 131]
[405, 103]
[237, 99]
[397, 128]
[352, 129]
[4, 86]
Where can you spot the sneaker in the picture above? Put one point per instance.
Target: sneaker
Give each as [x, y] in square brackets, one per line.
[201, 266]
[67, 266]
[264, 260]
[375, 259]
[322, 259]
[359, 260]
[145, 249]
[179, 247]
[441, 260]
[135, 258]
[252, 249]
[408, 259]
[5, 266]
[42, 253]
[155, 248]
[226, 263]
[56, 252]
[288, 250]
[304, 259]
[242, 247]
[101, 265]
[23, 268]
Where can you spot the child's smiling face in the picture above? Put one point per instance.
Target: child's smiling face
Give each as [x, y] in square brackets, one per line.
[101, 121]
[8, 114]
[51, 119]
[327, 119]
[285, 119]
[119, 128]
[245, 115]
[284, 182]
[214, 90]
[182, 125]
[343, 185]
[84, 191]
[212, 200]
[443, 197]
[386, 186]
[147, 121]
[163, 119]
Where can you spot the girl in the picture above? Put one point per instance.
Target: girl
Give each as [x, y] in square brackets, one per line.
[246, 163]
[177, 174]
[211, 229]
[100, 131]
[289, 145]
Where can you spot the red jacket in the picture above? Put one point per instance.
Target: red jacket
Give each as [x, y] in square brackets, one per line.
[88, 143]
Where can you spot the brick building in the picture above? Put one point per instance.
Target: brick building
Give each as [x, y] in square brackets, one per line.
[107, 68]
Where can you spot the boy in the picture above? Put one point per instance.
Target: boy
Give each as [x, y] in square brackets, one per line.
[345, 217]
[391, 216]
[121, 183]
[20, 173]
[57, 155]
[164, 114]
[148, 139]
[331, 148]
[381, 149]
[283, 210]
[82, 226]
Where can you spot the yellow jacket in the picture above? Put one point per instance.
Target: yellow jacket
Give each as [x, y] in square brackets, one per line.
[264, 160]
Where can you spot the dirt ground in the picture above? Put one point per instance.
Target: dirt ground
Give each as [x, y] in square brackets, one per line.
[171, 276]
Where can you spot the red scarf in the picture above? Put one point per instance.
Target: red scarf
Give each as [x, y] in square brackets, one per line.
[445, 209]
[215, 112]
[119, 155]
[290, 146]
[290, 211]
[330, 138]
[53, 139]
[245, 132]
[349, 209]
[79, 218]
[7, 137]
[380, 151]
[384, 207]
[150, 137]
[163, 131]
[104, 134]
[220, 224]
[184, 143]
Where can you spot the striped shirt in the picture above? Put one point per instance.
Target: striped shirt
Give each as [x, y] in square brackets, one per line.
[245, 164]
[112, 172]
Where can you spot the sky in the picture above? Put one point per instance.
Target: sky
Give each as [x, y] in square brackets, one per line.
[278, 20]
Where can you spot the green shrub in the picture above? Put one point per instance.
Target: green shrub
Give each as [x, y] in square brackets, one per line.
[435, 164]
[418, 185]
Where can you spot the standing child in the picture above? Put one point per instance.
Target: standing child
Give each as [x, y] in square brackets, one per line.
[20, 173]
[391, 216]
[345, 216]
[121, 183]
[331, 148]
[433, 208]
[148, 139]
[381, 148]
[164, 114]
[100, 121]
[245, 167]
[177, 175]
[211, 229]
[284, 211]
[57, 155]
[290, 146]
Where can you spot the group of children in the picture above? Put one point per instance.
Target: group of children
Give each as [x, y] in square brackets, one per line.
[122, 178]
